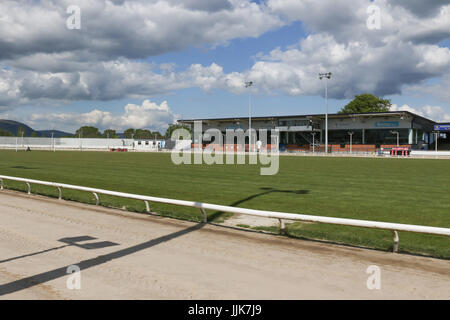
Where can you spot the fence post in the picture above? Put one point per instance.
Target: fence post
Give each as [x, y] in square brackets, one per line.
[97, 200]
[147, 207]
[396, 241]
[59, 193]
[205, 217]
[282, 226]
[281, 216]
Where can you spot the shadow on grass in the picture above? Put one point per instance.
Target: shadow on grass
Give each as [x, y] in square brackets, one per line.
[267, 190]
[275, 231]
[213, 217]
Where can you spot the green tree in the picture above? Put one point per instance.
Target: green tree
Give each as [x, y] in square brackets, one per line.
[20, 131]
[157, 135]
[173, 127]
[110, 133]
[34, 134]
[366, 103]
[5, 133]
[129, 133]
[143, 134]
[88, 132]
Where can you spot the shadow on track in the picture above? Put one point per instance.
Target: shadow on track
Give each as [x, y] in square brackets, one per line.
[38, 279]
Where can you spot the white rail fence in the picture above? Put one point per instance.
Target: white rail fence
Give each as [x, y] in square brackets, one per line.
[281, 216]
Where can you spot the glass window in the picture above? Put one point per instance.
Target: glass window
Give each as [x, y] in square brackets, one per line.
[386, 136]
[302, 123]
[343, 137]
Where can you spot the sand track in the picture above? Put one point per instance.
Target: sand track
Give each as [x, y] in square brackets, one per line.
[135, 256]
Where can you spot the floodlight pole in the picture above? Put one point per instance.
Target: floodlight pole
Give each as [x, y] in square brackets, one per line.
[397, 133]
[313, 134]
[248, 84]
[436, 141]
[326, 76]
[351, 138]
[326, 117]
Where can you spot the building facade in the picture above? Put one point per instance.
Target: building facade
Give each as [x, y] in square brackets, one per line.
[372, 130]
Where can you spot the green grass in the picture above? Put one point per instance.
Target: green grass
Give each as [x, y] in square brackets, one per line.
[412, 191]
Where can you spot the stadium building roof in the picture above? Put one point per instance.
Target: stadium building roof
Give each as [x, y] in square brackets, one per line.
[320, 116]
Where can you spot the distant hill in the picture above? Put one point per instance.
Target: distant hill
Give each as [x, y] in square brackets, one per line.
[13, 127]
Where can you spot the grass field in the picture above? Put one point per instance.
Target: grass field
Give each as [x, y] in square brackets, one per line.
[412, 191]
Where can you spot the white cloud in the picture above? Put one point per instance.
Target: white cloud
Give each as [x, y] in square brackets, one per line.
[438, 89]
[345, 20]
[128, 28]
[148, 115]
[435, 113]
[403, 52]
[420, 7]
[116, 79]
[48, 63]
[357, 67]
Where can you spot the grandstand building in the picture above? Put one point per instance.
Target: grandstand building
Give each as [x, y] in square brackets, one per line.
[367, 131]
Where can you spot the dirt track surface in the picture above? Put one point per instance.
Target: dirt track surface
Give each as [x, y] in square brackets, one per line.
[135, 256]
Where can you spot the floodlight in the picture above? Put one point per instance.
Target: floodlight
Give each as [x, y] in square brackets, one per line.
[327, 76]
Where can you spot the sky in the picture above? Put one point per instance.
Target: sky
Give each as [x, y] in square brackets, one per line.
[146, 63]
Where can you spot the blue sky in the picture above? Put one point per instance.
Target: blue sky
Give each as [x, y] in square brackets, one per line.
[191, 59]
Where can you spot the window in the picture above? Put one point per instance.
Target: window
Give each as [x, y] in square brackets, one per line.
[302, 123]
[290, 122]
[385, 136]
[342, 137]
